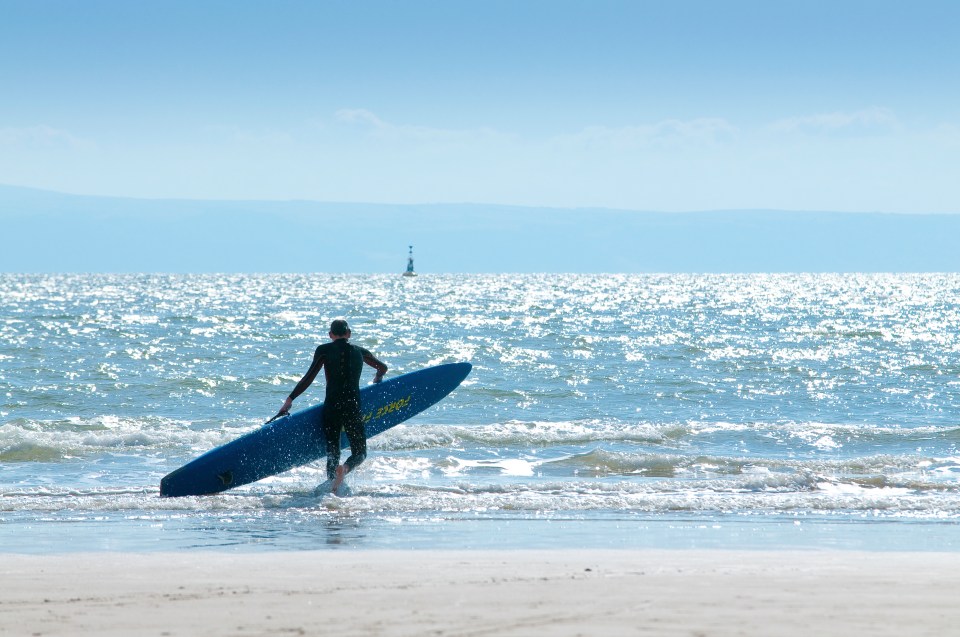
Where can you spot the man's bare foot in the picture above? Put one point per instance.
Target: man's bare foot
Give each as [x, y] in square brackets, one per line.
[342, 472]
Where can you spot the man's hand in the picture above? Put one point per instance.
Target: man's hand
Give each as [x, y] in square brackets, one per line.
[378, 378]
[287, 404]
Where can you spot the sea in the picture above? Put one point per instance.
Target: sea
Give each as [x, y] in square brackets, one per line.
[659, 411]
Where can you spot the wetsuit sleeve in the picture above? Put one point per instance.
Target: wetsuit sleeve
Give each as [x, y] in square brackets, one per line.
[309, 377]
[373, 361]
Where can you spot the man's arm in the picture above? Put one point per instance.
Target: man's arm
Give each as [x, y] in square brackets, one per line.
[305, 382]
[373, 361]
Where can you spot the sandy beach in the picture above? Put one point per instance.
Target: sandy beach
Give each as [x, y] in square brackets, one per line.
[695, 593]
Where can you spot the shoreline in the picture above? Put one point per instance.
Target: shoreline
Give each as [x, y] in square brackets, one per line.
[483, 592]
[331, 530]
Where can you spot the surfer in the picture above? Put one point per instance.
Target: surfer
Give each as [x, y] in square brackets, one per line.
[342, 364]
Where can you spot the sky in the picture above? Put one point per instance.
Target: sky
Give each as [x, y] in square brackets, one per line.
[677, 105]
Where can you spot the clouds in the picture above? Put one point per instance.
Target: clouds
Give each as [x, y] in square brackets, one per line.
[359, 116]
[372, 127]
[45, 156]
[670, 133]
[837, 160]
[870, 121]
[860, 159]
[705, 132]
[41, 137]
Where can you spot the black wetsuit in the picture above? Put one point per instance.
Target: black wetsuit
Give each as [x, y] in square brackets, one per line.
[342, 364]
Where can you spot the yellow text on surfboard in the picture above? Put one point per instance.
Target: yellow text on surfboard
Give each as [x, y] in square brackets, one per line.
[389, 408]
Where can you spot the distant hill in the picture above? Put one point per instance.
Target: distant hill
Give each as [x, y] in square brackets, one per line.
[52, 232]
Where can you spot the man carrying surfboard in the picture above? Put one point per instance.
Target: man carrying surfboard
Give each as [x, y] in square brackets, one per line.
[342, 364]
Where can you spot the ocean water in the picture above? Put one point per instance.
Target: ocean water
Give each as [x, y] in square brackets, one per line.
[621, 411]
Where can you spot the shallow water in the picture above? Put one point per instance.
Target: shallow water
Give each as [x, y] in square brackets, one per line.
[621, 411]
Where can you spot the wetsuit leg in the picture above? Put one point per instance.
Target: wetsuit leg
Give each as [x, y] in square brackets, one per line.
[358, 441]
[331, 433]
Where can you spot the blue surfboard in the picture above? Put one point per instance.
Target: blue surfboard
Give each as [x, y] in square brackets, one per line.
[297, 439]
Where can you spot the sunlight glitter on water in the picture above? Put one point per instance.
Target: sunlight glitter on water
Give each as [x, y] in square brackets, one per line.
[771, 395]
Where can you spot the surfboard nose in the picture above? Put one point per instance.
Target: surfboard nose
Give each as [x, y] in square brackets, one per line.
[463, 368]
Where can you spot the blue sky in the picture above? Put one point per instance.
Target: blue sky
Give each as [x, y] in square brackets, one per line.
[671, 106]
